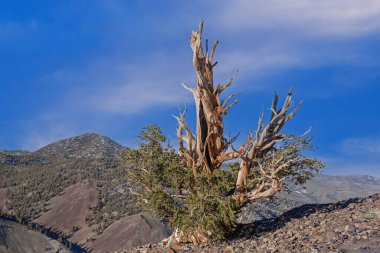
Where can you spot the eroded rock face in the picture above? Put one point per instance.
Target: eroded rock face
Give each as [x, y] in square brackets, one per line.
[71, 208]
[130, 231]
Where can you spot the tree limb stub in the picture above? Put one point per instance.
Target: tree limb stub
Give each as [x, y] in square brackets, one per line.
[208, 149]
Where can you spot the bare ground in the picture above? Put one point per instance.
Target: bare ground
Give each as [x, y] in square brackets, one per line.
[70, 208]
[350, 226]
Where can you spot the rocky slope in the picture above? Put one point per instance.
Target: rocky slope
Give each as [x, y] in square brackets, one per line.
[319, 190]
[82, 146]
[15, 238]
[346, 226]
[77, 187]
[88, 145]
[129, 232]
[68, 211]
[326, 189]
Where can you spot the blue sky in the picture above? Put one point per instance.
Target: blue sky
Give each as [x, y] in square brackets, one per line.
[111, 67]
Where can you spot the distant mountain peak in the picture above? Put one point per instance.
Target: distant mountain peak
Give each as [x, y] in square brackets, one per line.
[90, 134]
[87, 145]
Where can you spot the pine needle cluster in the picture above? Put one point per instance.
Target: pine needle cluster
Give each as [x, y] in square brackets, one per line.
[203, 205]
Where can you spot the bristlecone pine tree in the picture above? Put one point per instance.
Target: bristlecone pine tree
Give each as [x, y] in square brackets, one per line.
[191, 189]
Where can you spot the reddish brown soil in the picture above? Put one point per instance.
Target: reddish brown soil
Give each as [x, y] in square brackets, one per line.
[70, 208]
[4, 198]
[84, 236]
[129, 232]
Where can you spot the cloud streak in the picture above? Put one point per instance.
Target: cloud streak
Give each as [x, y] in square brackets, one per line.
[11, 30]
[257, 37]
[110, 86]
[46, 131]
[361, 146]
[311, 18]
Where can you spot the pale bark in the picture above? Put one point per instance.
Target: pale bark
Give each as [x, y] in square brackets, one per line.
[207, 149]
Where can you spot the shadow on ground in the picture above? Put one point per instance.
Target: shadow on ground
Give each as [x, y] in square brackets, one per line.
[261, 227]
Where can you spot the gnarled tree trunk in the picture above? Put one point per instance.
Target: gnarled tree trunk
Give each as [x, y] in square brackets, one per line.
[208, 148]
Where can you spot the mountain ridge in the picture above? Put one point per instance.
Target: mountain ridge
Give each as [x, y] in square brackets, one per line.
[67, 164]
[87, 145]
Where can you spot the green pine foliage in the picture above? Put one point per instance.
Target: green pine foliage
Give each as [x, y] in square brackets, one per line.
[202, 204]
[210, 207]
[168, 190]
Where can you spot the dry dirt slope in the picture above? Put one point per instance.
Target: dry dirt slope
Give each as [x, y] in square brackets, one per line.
[14, 238]
[70, 209]
[347, 226]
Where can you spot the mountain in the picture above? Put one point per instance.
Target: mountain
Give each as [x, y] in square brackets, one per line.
[327, 189]
[84, 180]
[320, 189]
[88, 145]
[76, 187]
[12, 156]
[14, 152]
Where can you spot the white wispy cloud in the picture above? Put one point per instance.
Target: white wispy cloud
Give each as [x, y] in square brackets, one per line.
[350, 167]
[360, 155]
[257, 38]
[311, 18]
[44, 132]
[361, 146]
[267, 36]
[109, 85]
[156, 86]
[12, 29]
[256, 60]
[342, 165]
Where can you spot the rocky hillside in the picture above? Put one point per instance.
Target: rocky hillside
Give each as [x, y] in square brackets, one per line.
[346, 226]
[13, 157]
[326, 189]
[77, 188]
[83, 180]
[88, 145]
[319, 190]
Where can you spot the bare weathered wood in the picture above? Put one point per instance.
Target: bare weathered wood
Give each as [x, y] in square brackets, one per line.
[210, 145]
[208, 149]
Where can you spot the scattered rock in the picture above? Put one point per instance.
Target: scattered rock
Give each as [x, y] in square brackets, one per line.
[342, 229]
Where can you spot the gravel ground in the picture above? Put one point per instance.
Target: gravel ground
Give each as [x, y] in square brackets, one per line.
[346, 226]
